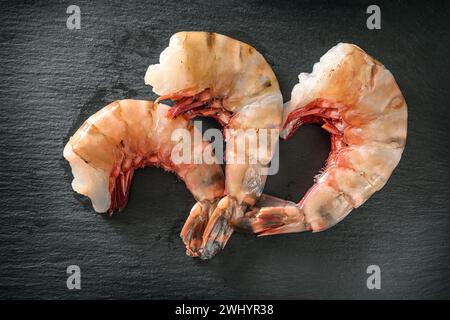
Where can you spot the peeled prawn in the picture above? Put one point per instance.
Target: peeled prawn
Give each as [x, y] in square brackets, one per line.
[127, 135]
[356, 99]
[208, 74]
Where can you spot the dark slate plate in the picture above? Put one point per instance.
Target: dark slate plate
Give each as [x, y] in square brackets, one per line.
[53, 78]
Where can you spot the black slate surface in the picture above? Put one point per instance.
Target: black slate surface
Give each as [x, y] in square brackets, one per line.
[53, 78]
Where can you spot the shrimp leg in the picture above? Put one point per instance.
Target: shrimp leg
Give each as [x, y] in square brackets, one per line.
[272, 215]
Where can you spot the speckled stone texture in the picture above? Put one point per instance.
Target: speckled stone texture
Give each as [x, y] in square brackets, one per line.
[52, 79]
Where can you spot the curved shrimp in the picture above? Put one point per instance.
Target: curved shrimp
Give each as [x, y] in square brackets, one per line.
[356, 99]
[127, 135]
[208, 74]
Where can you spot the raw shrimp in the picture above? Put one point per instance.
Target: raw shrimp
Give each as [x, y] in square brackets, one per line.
[208, 74]
[357, 100]
[131, 134]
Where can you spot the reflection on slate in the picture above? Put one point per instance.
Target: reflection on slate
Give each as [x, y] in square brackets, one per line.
[53, 78]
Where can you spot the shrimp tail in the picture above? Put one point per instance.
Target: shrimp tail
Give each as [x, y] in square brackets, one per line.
[193, 228]
[273, 216]
[273, 220]
[220, 227]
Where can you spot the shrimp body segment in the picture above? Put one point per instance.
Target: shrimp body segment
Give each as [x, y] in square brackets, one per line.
[127, 135]
[208, 74]
[356, 99]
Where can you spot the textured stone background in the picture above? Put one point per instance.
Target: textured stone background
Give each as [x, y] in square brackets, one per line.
[52, 79]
